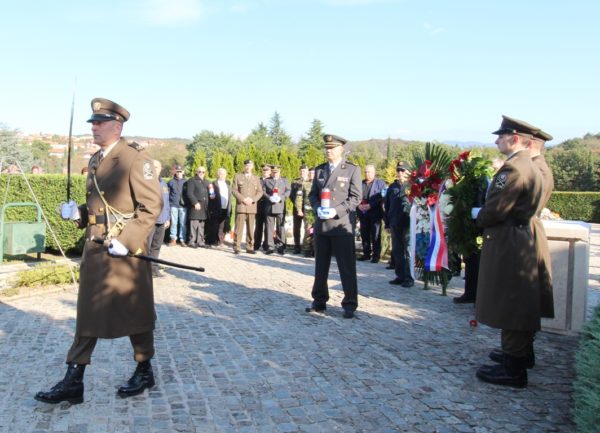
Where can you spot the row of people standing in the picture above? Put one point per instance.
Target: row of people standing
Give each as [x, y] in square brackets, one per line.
[200, 205]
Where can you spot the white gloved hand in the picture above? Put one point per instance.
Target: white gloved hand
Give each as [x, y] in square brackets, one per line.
[116, 248]
[326, 213]
[273, 199]
[277, 199]
[69, 211]
[475, 212]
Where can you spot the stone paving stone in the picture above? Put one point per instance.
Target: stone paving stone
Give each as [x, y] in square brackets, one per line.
[236, 353]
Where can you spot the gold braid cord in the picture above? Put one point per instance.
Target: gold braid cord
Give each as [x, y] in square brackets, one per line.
[120, 217]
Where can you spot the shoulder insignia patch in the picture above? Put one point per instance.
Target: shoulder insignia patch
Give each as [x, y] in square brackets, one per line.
[136, 146]
[148, 170]
[501, 181]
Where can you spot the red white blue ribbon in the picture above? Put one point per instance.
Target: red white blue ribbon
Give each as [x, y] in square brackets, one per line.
[437, 254]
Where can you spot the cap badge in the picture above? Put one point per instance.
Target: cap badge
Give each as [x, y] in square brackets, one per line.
[97, 105]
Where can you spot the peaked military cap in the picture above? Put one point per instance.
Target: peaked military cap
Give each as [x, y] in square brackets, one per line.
[510, 125]
[303, 166]
[275, 167]
[333, 140]
[402, 165]
[178, 168]
[542, 135]
[248, 161]
[104, 110]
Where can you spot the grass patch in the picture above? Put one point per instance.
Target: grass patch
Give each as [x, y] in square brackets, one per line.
[46, 275]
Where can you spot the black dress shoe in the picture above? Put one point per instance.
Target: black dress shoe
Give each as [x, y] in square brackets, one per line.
[297, 250]
[348, 314]
[364, 258]
[236, 251]
[281, 250]
[396, 281]
[313, 309]
[269, 252]
[69, 389]
[497, 355]
[503, 375]
[251, 252]
[464, 299]
[142, 378]
[408, 283]
[390, 267]
[374, 260]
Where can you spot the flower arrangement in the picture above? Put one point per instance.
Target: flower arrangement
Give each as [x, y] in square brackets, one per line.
[469, 176]
[430, 255]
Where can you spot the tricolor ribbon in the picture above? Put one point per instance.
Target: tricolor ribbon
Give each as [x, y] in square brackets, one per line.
[437, 254]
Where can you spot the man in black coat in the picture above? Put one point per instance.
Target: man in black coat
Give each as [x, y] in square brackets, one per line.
[197, 194]
[260, 223]
[276, 190]
[397, 223]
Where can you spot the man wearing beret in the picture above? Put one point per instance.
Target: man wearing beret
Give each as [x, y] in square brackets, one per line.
[115, 296]
[247, 190]
[335, 225]
[508, 286]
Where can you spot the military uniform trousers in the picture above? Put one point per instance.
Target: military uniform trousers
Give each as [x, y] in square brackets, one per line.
[260, 231]
[157, 238]
[297, 226]
[82, 348]
[241, 220]
[471, 274]
[401, 252]
[517, 343]
[275, 231]
[342, 247]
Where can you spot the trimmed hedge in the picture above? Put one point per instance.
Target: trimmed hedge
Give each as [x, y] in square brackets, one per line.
[587, 384]
[579, 206]
[50, 191]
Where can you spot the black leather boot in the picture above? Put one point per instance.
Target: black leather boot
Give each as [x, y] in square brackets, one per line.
[69, 389]
[511, 372]
[497, 355]
[142, 378]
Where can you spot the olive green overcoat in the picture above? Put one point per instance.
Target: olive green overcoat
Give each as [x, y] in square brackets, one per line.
[116, 296]
[508, 287]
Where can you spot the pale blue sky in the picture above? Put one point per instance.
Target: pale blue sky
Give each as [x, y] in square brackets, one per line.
[425, 70]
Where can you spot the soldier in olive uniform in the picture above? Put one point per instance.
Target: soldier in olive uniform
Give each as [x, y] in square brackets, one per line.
[303, 202]
[535, 147]
[247, 190]
[508, 287]
[335, 225]
[297, 209]
[115, 296]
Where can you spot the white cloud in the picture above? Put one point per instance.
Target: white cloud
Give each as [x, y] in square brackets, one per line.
[173, 12]
[432, 30]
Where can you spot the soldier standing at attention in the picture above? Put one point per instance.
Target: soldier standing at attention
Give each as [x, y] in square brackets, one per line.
[247, 190]
[260, 233]
[275, 190]
[115, 296]
[508, 287]
[335, 225]
[297, 209]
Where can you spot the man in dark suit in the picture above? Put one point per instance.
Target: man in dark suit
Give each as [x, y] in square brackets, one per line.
[508, 287]
[260, 228]
[197, 194]
[275, 190]
[370, 215]
[335, 225]
[397, 222]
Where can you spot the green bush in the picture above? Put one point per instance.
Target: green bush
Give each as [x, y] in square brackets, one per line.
[50, 191]
[580, 206]
[45, 275]
[587, 383]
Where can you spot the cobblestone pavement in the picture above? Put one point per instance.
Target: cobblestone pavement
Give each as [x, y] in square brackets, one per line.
[237, 353]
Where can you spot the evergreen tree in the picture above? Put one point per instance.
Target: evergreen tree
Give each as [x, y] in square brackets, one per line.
[12, 151]
[314, 137]
[198, 160]
[277, 133]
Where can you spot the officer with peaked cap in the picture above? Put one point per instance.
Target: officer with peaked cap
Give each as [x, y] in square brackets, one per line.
[335, 225]
[115, 298]
[247, 190]
[276, 190]
[508, 289]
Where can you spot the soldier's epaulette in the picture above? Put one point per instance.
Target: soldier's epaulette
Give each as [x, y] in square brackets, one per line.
[350, 163]
[136, 146]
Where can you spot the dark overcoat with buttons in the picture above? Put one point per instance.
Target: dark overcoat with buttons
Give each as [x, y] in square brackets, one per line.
[508, 287]
[283, 189]
[345, 185]
[197, 193]
[541, 242]
[116, 296]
